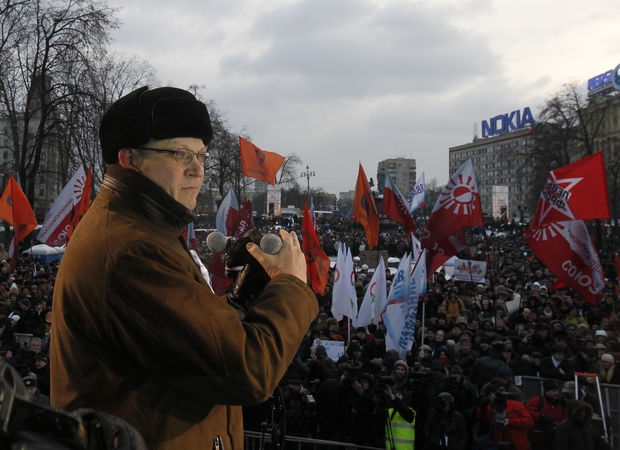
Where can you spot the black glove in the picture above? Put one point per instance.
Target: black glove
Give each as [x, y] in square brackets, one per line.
[483, 401]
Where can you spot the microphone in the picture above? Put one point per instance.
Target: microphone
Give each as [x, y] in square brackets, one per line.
[218, 242]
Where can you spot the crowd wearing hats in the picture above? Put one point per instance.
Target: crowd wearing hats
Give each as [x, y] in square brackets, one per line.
[477, 337]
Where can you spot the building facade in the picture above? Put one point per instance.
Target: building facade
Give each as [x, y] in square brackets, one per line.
[402, 171]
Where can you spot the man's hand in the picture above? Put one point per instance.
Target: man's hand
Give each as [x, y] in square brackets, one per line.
[289, 260]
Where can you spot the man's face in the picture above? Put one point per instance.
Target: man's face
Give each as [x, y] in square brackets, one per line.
[181, 181]
[39, 364]
[554, 394]
[32, 390]
[36, 346]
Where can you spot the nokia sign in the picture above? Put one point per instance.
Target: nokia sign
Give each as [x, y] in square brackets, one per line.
[605, 82]
[507, 122]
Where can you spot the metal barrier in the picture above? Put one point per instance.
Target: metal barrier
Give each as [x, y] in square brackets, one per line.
[255, 440]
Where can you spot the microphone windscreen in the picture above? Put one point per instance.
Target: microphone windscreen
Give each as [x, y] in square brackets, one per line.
[271, 244]
[217, 241]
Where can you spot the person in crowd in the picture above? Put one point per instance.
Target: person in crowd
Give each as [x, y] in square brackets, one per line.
[556, 366]
[31, 384]
[577, 431]
[445, 427]
[400, 422]
[487, 367]
[547, 412]
[132, 292]
[608, 373]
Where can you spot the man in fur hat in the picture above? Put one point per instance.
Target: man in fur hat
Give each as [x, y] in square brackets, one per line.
[137, 331]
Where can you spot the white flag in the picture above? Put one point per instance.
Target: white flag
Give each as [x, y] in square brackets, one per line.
[417, 198]
[374, 299]
[417, 288]
[344, 297]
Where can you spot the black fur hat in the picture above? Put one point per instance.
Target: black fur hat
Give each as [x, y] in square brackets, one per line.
[142, 115]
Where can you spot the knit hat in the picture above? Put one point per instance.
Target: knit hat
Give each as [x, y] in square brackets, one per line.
[455, 370]
[550, 385]
[30, 381]
[601, 333]
[607, 358]
[294, 379]
[320, 351]
[142, 115]
[401, 362]
[378, 334]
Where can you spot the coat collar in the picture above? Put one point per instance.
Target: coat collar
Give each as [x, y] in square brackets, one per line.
[146, 197]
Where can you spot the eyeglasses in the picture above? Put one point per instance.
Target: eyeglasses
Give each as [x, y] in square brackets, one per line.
[181, 155]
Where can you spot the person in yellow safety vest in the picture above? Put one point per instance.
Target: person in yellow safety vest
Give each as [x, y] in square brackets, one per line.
[400, 423]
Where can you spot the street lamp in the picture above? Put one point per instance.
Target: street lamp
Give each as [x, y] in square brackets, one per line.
[307, 174]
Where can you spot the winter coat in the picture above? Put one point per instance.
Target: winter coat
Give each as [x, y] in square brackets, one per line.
[576, 433]
[519, 421]
[138, 333]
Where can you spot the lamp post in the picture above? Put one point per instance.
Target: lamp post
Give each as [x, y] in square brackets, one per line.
[307, 174]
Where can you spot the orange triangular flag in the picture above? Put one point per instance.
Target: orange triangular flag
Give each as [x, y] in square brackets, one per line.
[257, 163]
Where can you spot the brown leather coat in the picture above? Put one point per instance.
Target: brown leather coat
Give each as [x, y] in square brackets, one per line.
[138, 333]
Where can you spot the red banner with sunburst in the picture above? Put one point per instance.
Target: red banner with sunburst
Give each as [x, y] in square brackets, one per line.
[457, 207]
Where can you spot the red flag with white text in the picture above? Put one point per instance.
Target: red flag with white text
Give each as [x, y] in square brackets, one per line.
[443, 251]
[395, 205]
[566, 250]
[457, 207]
[577, 191]
[317, 261]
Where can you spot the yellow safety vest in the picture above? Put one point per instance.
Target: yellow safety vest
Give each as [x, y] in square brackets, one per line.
[399, 434]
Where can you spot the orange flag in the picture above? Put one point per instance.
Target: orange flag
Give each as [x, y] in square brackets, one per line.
[257, 163]
[316, 260]
[82, 207]
[16, 210]
[364, 209]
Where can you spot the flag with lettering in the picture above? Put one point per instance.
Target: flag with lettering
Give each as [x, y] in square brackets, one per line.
[417, 289]
[344, 296]
[317, 262]
[395, 310]
[443, 251]
[577, 191]
[364, 209]
[566, 249]
[457, 207]
[257, 163]
[395, 205]
[417, 197]
[55, 228]
[244, 221]
[375, 298]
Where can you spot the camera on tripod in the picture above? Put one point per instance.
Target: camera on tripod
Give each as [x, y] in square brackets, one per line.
[499, 405]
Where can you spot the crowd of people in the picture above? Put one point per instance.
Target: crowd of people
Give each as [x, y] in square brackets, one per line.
[455, 389]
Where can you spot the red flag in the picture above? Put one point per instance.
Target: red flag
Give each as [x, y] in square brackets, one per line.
[617, 261]
[82, 207]
[257, 163]
[364, 209]
[574, 192]
[566, 250]
[189, 234]
[217, 269]
[443, 251]
[457, 207]
[243, 220]
[16, 210]
[395, 206]
[316, 260]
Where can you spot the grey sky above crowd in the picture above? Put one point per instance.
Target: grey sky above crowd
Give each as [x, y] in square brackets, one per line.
[345, 81]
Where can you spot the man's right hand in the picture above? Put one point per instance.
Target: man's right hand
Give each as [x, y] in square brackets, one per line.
[290, 260]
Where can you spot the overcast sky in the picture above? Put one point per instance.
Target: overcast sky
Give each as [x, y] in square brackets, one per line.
[345, 81]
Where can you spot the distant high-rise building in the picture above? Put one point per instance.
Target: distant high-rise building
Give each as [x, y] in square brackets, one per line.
[402, 171]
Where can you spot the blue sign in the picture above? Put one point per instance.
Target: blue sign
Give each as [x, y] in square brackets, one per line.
[508, 122]
[605, 82]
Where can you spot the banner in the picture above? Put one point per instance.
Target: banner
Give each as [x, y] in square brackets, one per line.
[55, 226]
[317, 262]
[364, 209]
[395, 311]
[257, 163]
[457, 207]
[443, 251]
[417, 198]
[566, 250]
[344, 297]
[395, 206]
[417, 289]
[470, 271]
[374, 299]
[574, 192]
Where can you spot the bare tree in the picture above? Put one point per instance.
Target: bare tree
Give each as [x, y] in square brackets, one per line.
[51, 42]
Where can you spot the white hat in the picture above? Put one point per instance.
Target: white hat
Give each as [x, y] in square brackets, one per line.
[607, 358]
[601, 333]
